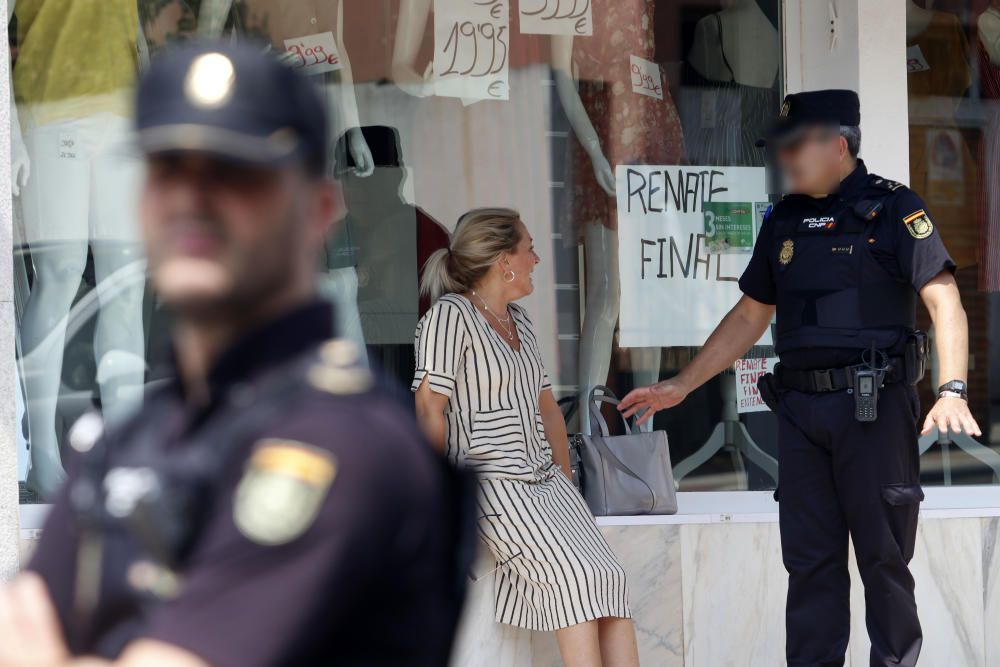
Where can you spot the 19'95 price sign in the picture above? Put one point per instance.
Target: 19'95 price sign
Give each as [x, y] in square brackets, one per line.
[472, 49]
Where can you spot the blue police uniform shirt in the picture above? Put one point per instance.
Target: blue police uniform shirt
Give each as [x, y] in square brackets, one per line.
[324, 540]
[906, 254]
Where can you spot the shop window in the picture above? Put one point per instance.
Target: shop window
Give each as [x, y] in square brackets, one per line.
[953, 78]
[622, 131]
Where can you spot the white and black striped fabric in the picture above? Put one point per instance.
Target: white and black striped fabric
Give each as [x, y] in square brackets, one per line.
[554, 567]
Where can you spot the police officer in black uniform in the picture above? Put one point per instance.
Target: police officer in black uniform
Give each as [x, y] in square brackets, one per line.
[842, 260]
[270, 505]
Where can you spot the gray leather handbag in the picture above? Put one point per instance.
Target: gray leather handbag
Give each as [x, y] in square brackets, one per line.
[624, 474]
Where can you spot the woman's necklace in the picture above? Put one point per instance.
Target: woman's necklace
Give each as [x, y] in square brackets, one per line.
[504, 322]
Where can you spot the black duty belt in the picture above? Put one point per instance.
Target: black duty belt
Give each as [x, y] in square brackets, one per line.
[831, 379]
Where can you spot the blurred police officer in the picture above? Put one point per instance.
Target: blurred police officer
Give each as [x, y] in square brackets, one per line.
[269, 506]
[841, 259]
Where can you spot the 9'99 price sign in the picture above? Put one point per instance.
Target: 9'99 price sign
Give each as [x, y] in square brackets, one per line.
[313, 54]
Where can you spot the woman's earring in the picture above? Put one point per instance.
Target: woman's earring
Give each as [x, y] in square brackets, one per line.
[512, 276]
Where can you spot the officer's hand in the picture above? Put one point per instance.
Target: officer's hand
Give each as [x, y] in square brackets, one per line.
[951, 414]
[649, 400]
[29, 627]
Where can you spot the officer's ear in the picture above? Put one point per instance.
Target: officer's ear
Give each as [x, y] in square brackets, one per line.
[843, 149]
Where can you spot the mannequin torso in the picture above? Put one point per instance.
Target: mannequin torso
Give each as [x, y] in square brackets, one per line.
[917, 18]
[749, 42]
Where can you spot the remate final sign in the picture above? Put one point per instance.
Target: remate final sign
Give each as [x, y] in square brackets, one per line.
[675, 284]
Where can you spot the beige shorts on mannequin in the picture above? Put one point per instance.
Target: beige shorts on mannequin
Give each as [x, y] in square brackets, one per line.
[84, 180]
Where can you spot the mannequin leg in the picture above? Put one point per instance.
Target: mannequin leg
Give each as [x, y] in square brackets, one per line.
[55, 204]
[119, 341]
[119, 337]
[341, 287]
[43, 338]
[600, 248]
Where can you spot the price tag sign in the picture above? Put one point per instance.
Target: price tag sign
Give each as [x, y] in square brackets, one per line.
[67, 148]
[472, 49]
[748, 371]
[557, 17]
[313, 54]
[646, 78]
[915, 60]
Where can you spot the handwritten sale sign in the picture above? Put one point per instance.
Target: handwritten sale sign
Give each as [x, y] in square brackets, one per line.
[472, 49]
[313, 54]
[674, 290]
[557, 17]
[748, 371]
[646, 79]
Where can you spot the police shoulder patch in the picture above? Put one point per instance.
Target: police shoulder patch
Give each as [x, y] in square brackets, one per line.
[919, 224]
[282, 490]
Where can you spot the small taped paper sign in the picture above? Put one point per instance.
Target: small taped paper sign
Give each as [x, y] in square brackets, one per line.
[472, 49]
[313, 54]
[557, 17]
[748, 371]
[915, 60]
[67, 149]
[646, 79]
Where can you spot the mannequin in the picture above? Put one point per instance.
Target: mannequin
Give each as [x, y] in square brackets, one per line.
[989, 33]
[751, 46]
[410, 28]
[282, 20]
[78, 195]
[602, 95]
[918, 18]
[734, 63]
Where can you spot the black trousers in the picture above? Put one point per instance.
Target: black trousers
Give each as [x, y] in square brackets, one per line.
[841, 477]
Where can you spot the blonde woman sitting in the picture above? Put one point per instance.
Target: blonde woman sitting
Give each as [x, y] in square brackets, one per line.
[484, 399]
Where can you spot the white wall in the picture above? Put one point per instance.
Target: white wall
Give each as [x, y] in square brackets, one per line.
[8, 455]
[861, 48]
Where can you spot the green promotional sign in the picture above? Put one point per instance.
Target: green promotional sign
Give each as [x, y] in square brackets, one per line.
[729, 226]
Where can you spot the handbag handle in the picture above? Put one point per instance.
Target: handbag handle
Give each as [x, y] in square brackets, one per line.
[601, 394]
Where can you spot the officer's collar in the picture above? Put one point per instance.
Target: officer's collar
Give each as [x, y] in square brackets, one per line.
[278, 340]
[854, 181]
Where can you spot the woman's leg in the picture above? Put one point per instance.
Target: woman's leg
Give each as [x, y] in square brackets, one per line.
[579, 645]
[618, 645]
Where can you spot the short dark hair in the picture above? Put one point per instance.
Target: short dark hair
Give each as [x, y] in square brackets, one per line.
[852, 134]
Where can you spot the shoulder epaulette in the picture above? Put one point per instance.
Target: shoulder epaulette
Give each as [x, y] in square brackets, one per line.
[885, 184]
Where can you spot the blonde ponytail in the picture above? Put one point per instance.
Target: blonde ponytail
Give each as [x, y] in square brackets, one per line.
[480, 238]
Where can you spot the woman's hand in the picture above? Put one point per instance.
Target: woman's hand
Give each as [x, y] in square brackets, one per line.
[650, 400]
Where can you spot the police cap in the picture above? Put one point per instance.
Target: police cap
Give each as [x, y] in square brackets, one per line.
[816, 107]
[233, 100]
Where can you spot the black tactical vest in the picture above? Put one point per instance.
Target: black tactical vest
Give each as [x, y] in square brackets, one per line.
[831, 291]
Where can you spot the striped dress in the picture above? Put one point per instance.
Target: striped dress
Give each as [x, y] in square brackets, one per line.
[554, 567]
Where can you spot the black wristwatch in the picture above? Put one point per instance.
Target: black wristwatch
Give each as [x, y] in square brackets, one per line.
[954, 389]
